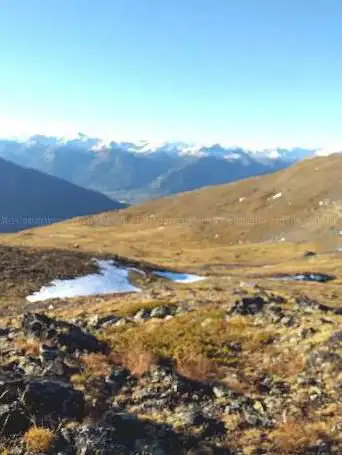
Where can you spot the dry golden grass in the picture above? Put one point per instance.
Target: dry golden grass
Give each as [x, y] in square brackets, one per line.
[232, 421]
[292, 436]
[197, 367]
[96, 364]
[237, 385]
[202, 338]
[130, 309]
[137, 360]
[38, 439]
[249, 439]
[29, 346]
[275, 362]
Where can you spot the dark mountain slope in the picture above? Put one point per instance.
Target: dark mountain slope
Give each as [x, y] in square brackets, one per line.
[208, 171]
[30, 198]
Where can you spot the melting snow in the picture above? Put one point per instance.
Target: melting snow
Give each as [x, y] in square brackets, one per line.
[318, 277]
[111, 279]
[179, 277]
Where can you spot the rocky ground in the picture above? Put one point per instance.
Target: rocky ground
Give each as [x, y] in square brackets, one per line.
[259, 375]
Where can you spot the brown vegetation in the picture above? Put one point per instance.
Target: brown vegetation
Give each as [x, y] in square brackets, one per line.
[29, 346]
[38, 439]
[137, 360]
[96, 364]
[292, 436]
[197, 367]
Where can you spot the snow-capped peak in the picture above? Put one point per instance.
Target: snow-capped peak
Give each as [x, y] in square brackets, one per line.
[180, 148]
[231, 153]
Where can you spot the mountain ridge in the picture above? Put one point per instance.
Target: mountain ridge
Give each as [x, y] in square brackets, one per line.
[136, 172]
[29, 198]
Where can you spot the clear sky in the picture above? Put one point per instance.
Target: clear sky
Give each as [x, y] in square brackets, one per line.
[254, 72]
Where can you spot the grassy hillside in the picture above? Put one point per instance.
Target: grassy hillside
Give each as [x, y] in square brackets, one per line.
[279, 214]
[307, 196]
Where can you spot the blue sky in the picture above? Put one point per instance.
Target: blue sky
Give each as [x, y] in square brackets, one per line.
[249, 72]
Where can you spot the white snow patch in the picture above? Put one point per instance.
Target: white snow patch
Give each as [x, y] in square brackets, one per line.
[277, 195]
[180, 277]
[111, 279]
[100, 146]
[232, 157]
[273, 154]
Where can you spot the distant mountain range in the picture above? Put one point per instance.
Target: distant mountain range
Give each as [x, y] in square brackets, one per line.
[29, 198]
[135, 172]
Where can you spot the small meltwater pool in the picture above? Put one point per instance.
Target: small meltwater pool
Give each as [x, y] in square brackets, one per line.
[179, 277]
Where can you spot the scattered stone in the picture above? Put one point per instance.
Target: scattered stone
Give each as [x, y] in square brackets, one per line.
[98, 440]
[97, 322]
[62, 333]
[13, 419]
[309, 254]
[160, 312]
[117, 378]
[122, 433]
[43, 397]
[48, 353]
[142, 315]
[4, 332]
[11, 386]
[107, 321]
[248, 306]
[121, 322]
